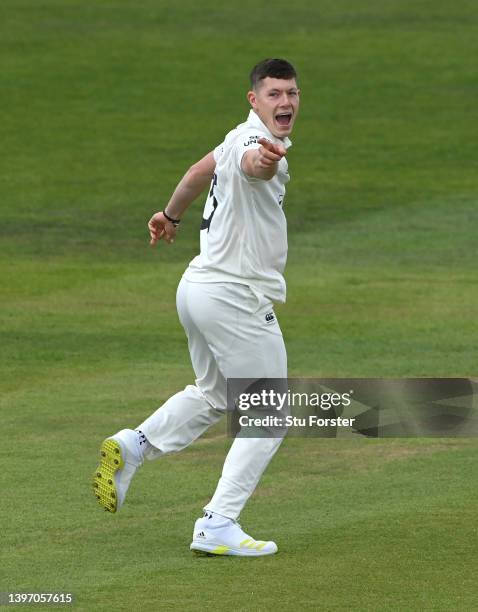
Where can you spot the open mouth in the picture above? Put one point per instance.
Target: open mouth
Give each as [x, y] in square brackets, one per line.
[284, 119]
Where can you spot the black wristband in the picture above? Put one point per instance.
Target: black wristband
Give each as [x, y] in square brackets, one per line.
[173, 221]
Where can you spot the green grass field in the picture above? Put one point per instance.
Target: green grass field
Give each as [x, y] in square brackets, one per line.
[104, 106]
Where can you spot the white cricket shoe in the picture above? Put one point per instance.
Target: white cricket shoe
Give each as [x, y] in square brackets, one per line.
[223, 536]
[120, 457]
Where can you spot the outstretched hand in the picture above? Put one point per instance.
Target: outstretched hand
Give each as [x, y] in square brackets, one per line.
[161, 229]
[270, 153]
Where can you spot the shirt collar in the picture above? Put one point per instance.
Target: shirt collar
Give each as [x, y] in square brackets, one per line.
[256, 121]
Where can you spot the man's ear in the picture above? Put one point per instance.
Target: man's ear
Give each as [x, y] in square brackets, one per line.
[251, 96]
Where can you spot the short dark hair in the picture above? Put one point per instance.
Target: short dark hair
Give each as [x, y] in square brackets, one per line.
[274, 68]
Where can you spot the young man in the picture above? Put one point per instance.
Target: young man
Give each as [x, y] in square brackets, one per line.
[225, 302]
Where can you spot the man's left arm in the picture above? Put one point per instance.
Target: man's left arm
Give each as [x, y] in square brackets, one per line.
[263, 162]
[193, 183]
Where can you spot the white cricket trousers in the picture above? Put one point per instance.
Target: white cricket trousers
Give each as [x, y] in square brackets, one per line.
[228, 337]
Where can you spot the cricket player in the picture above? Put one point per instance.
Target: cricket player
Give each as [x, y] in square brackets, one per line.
[225, 304]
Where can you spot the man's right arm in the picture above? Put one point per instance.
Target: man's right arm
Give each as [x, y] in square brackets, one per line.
[193, 183]
[262, 163]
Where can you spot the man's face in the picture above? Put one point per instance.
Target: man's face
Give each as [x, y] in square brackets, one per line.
[276, 101]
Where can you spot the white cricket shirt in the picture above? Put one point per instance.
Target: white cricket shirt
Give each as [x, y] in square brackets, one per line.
[244, 230]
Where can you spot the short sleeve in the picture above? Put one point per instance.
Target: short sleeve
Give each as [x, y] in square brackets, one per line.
[218, 151]
[245, 142]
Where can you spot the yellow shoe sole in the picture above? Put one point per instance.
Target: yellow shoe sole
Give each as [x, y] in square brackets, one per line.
[104, 477]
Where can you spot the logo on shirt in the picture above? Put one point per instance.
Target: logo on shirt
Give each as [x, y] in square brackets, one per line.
[270, 317]
[252, 140]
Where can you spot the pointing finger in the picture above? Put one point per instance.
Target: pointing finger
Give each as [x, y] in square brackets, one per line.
[267, 144]
[273, 148]
[269, 155]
